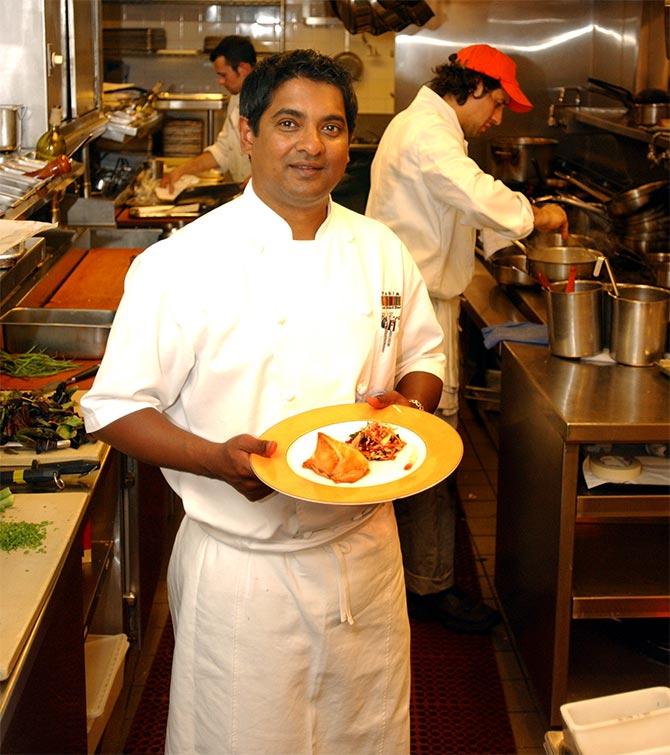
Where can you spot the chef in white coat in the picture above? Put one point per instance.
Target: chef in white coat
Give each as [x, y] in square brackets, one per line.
[426, 189]
[290, 617]
[233, 59]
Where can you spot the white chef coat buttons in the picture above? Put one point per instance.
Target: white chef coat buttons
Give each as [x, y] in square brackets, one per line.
[290, 397]
[281, 320]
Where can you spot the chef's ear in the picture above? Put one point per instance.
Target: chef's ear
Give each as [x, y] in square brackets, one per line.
[247, 137]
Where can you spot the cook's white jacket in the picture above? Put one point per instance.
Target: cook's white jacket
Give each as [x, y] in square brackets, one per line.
[426, 188]
[230, 326]
[226, 149]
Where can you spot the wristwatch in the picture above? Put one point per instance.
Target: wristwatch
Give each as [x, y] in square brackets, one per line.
[417, 404]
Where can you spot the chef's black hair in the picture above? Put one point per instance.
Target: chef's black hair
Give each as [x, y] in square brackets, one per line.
[260, 85]
[460, 82]
[235, 50]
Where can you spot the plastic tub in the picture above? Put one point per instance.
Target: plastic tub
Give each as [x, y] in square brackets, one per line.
[104, 657]
[630, 723]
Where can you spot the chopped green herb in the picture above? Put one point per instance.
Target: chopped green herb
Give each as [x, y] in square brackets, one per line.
[27, 535]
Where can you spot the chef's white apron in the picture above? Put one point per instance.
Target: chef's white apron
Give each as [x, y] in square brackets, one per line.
[284, 653]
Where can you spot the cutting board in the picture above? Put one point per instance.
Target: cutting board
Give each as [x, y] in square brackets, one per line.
[18, 457]
[27, 577]
[97, 281]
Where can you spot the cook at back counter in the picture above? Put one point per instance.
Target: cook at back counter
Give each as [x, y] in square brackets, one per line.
[233, 58]
[422, 166]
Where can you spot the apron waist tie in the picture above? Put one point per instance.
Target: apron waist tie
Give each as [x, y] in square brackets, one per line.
[339, 549]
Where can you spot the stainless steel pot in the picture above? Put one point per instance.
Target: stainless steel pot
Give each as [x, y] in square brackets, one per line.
[524, 159]
[659, 262]
[10, 127]
[556, 262]
[510, 268]
[639, 324]
[574, 318]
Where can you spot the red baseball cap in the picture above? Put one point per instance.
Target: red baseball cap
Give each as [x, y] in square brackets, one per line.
[491, 62]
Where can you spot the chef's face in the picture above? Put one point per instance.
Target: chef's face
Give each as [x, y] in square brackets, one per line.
[228, 77]
[481, 111]
[302, 147]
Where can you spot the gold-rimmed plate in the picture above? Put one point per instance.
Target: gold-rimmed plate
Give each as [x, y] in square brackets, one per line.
[433, 450]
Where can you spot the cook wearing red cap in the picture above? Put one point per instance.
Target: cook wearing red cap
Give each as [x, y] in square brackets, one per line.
[491, 62]
[426, 188]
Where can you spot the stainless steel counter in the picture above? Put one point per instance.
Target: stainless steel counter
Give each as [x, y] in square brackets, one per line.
[593, 402]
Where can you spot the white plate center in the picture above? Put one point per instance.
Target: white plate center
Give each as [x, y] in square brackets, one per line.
[408, 460]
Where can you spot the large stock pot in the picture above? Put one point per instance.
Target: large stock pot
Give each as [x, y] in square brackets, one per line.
[522, 159]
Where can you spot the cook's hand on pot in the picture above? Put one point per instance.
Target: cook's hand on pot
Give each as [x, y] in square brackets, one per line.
[234, 465]
[551, 217]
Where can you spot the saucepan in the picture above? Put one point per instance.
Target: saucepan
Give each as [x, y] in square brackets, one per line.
[510, 268]
[558, 262]
[646, 108]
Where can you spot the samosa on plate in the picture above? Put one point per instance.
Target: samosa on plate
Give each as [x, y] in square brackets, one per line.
[338, 461]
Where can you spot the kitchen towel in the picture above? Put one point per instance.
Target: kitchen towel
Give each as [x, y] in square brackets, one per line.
[526, 332]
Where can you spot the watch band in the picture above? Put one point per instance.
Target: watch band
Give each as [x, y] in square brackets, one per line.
[417, 404]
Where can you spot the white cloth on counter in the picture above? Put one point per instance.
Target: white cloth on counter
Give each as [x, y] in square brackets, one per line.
[226, 149]
[13, 232]
[228, 327]
[185, 182]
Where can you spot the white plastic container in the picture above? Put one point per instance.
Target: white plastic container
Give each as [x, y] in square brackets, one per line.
[630, 723]
[104, 657]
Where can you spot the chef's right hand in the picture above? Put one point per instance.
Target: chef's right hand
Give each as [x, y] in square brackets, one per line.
[235, 465]
[551, 217]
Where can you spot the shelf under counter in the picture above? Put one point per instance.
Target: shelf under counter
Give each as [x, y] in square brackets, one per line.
[633, 504]
[621, 571]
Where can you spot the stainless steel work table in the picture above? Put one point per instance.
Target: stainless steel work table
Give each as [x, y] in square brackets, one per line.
[570, 560]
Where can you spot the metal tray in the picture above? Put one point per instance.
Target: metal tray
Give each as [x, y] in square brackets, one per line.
[78, 333]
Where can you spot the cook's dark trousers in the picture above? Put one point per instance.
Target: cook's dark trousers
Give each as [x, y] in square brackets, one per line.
[426, 526]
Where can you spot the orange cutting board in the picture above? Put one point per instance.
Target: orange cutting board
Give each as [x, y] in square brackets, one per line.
[97, 281]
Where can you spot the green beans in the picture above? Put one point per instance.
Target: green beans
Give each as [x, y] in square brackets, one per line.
[33, 363]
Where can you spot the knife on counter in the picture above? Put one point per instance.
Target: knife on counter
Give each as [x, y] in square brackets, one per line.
[59, 386]
[49, 476]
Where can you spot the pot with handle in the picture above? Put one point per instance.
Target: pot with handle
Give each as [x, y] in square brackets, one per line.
[646, 108]
[556, 262]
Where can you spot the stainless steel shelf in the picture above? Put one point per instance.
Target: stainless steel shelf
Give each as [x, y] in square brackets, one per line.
[614, 120]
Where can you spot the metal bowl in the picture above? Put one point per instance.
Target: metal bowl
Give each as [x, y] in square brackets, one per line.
[511, 269]
[556, 262]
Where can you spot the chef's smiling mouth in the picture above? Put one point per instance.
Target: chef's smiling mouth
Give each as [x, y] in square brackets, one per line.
[306, 166]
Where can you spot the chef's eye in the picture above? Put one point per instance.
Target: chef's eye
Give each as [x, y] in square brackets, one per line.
[287, 123]
[334, 129]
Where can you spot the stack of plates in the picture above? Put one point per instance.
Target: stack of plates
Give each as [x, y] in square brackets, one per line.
[182, 136]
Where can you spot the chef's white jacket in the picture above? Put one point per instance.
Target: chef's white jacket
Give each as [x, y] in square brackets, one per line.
[226, 149]
[424, 187]
[290, 620]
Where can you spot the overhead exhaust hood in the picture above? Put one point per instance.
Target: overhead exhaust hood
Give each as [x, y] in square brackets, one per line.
[379, 16]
